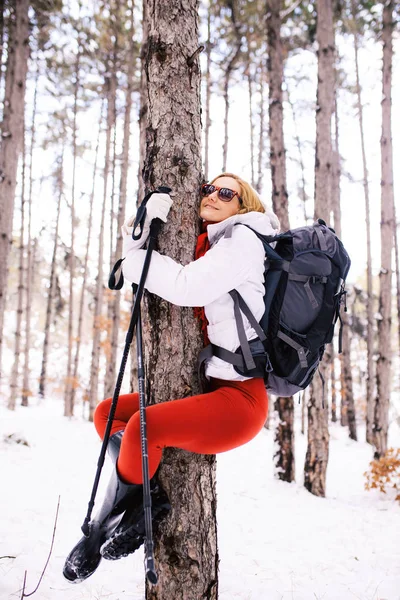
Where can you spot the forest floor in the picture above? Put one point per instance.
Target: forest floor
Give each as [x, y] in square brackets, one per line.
[276, 541]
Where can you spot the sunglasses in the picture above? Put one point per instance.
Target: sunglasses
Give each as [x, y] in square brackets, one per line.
[224, 194]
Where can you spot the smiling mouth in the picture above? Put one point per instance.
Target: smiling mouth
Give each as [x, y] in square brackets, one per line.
[209, 206]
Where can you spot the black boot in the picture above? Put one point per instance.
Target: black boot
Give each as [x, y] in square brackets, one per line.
[85, 557]
[129, 535]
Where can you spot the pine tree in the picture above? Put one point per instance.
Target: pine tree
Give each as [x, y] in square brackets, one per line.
[172, 79]
[318, 435]
[383, 367]
[12, 132]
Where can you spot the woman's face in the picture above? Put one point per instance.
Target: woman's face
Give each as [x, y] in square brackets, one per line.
[215, 210]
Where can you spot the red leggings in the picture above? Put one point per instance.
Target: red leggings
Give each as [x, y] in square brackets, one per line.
[228, 416]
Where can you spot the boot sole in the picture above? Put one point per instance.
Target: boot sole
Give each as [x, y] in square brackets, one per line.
[126, 542]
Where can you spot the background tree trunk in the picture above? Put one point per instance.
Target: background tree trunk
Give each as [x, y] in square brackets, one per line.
[232, 61]
[1, 41]
[383, 367]
[21, 291]
[116, 297]
[284, 407]
[261, 140]
[370, 298]
[208, 96]
[52, 282]
[277, 145]
[12, 134]
[69, 383]
[186, 545]
[347, 395]
[318, 435]
[251, 120]
[85, 270]
[110, 87]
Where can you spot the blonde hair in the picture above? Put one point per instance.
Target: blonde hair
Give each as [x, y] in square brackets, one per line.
[250, 200]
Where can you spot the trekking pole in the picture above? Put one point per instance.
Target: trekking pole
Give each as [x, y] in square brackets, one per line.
[154, 229]
[151, 573]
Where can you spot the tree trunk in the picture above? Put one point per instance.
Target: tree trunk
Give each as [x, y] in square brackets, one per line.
[21, 292]
[26, 391]
[1, 41]
[302, 188]
[397, 259]
[12, 134]
[52, 281]
[318, 435]
[85, 269]
[284, 407]
[116, 297]
[383, 367]
[208, 96]
[277, 144]
[261, 141]
[347, 395]
[325, 107]
[370, 300]
[69, 383]
[333, 386]
[186, 545]
[99, 294]
[284, 457]
[251, 120]
[231, 4]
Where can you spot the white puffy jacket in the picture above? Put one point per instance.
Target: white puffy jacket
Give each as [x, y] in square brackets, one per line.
[235, 262]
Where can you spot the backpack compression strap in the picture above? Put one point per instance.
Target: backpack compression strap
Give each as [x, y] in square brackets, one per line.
[245, 361]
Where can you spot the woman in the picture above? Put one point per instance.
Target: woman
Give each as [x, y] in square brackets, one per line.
[228, 257]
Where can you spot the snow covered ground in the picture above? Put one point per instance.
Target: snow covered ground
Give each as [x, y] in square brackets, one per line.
[276, 541]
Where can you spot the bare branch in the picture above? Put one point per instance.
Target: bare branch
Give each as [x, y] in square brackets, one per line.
[47, 561]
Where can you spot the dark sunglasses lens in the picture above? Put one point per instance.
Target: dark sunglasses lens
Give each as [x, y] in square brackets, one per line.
[207, 189]
[226, 194]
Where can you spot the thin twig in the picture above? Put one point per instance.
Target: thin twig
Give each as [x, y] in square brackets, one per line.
[23, 586]
[48, 558]
[7, 557]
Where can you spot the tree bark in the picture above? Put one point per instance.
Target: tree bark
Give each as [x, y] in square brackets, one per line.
[324, 111]
[85, 269]
[29, 277]
[69, 383]
[302, 187]
[21, 292]
[116, 297]
[208, 96]
[347, 395]
[261, 140]
[284, 407]
[232, 61]
[397, 262]
[251, 120]
[52, 281]
[383, 367]
[284, 457]
[318, 435]
[370, 300]
[186, 545]
[277, 144]
[110, 87]
[12, 134]
[1, 42]
[333, 387]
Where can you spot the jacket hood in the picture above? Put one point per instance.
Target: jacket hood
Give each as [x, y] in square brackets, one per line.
[265, 223]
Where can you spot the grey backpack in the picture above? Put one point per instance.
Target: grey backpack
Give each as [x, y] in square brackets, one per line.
[304, 280]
